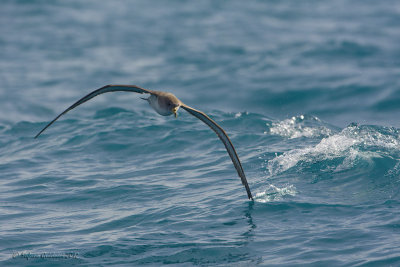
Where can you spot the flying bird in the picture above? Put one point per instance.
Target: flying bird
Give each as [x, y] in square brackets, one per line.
[167, 104]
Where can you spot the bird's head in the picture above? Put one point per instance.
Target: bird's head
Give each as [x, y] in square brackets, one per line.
[173, 105]
[175, 110]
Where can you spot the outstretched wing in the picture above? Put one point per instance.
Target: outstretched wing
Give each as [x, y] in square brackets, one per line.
[225, 139]
[102, 90]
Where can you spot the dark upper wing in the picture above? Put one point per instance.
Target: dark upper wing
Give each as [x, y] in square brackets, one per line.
[225, 139]
[102, 90]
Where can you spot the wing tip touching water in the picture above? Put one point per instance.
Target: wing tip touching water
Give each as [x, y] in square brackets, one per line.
[225, 140]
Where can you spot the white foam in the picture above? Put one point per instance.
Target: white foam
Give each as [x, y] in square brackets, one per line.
[239, 114]
[274, 193]
[295, 127]
[329, 148]
[352, 143]
[372, 137]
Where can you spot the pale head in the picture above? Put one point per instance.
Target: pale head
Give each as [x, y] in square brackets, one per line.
[169, 103]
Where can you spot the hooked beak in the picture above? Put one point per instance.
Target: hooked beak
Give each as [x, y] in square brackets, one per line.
[174, 110]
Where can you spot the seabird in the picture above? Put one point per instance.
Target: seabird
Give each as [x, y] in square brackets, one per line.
[167, 104]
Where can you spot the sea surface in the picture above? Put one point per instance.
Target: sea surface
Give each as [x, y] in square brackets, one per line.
[308, 91]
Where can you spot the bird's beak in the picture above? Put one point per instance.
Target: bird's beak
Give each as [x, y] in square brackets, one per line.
[174, 110]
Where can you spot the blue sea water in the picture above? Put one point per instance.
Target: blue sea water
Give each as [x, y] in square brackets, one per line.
[308, 91]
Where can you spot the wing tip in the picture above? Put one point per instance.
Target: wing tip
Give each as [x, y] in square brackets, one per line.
[38, 134]
[250, 196]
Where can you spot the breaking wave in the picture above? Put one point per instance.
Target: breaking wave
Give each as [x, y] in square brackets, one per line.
[299, 126]
[350, 145]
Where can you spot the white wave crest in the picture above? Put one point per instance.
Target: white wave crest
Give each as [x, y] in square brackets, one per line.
[352, 143]
[274, 193]
[296, 127]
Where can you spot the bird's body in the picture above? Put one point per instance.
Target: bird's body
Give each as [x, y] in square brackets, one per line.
[167, 104]
[163, 103]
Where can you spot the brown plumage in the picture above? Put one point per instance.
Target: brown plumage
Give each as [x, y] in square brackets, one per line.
[167, 104]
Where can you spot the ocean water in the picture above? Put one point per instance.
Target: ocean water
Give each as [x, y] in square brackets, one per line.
[308, 91]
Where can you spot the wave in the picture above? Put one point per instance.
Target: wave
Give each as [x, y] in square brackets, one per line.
[355, 164]
[351, 144]
[299, 126]
[275, 193]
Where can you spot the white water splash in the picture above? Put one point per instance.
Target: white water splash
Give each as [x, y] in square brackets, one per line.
[239, 114]
[329, 148]
[295, 127]
[352, 143]
[274, 193]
